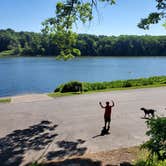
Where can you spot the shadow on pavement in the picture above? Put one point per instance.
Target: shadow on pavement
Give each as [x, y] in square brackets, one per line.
[145, 118]
[126, 164]
[13, 146]
[68, 149]
[82, 162]
[39, 136]
[74, 162]
[103, 132]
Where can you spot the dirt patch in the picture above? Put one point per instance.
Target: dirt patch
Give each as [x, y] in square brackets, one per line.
[119, 157]
[115, 157]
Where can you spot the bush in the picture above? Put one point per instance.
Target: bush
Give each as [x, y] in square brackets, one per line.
[73, 86]
[127, 84]
[116, 84]
[156, 145]
[153, 162]
[58, 89]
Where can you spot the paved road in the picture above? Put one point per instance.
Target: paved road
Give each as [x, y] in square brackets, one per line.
[66, 126]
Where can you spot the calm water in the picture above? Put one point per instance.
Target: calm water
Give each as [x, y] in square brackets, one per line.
[36, 75]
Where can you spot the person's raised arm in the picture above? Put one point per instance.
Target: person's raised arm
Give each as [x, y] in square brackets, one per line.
[101, 105]
[113, 104]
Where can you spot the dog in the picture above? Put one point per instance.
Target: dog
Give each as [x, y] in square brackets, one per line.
[148, 112]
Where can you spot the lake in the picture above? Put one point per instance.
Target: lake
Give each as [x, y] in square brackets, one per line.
[24, 75]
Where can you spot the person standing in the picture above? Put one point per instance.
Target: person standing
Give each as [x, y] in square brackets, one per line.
[107, 114]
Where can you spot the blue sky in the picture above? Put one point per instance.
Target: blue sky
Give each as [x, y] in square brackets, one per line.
[119, 19]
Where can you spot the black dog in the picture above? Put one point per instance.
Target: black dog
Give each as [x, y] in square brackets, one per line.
[148, 112]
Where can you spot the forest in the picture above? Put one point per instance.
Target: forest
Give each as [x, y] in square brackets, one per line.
[37, 44]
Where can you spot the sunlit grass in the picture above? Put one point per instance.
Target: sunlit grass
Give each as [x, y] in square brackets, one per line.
[5, 100]
[59, 94]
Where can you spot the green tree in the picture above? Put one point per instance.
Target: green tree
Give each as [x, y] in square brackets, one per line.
[60, 27]
[70, 11]
[33, 44]
[155, 17]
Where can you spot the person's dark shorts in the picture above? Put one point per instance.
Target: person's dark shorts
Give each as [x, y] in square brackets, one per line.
[107, 119]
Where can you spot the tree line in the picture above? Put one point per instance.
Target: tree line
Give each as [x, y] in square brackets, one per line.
[38, 44]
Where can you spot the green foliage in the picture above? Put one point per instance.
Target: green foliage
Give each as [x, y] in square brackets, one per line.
[64, 41]
[156, 145]
[86, 86]
[157, 142]
[60, 27]
[5, 100]
[154, 17]
[35, 44]
[153, 162]
[6, 53]
[93, 86]
[69, 12]
[127, 84]
[73, 86]
[23, 43]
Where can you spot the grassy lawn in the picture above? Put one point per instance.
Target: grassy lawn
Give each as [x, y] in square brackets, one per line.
[5, 100]
[59, 94]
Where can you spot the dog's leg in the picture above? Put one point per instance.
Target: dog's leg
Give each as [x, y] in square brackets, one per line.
[149, 115]
[145, 115]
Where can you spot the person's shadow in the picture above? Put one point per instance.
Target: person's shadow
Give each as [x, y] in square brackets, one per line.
[104, 131]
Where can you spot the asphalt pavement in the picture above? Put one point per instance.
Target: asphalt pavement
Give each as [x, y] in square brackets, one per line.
[52, 129]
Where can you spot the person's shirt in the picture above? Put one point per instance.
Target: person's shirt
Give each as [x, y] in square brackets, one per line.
[108, 110]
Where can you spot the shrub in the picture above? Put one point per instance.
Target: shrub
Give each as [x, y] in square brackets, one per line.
[73, 86]
[153, 162]
[146, 82]
[116, 84]
[86, 86]
[156, 145]
[127, 84]
[59, 88]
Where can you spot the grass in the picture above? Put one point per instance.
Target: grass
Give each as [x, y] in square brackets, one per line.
[151, 82]
[144, 160]
[5, 100]
[59, 94]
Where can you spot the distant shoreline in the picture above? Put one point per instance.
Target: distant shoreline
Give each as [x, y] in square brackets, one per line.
[30, 43]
